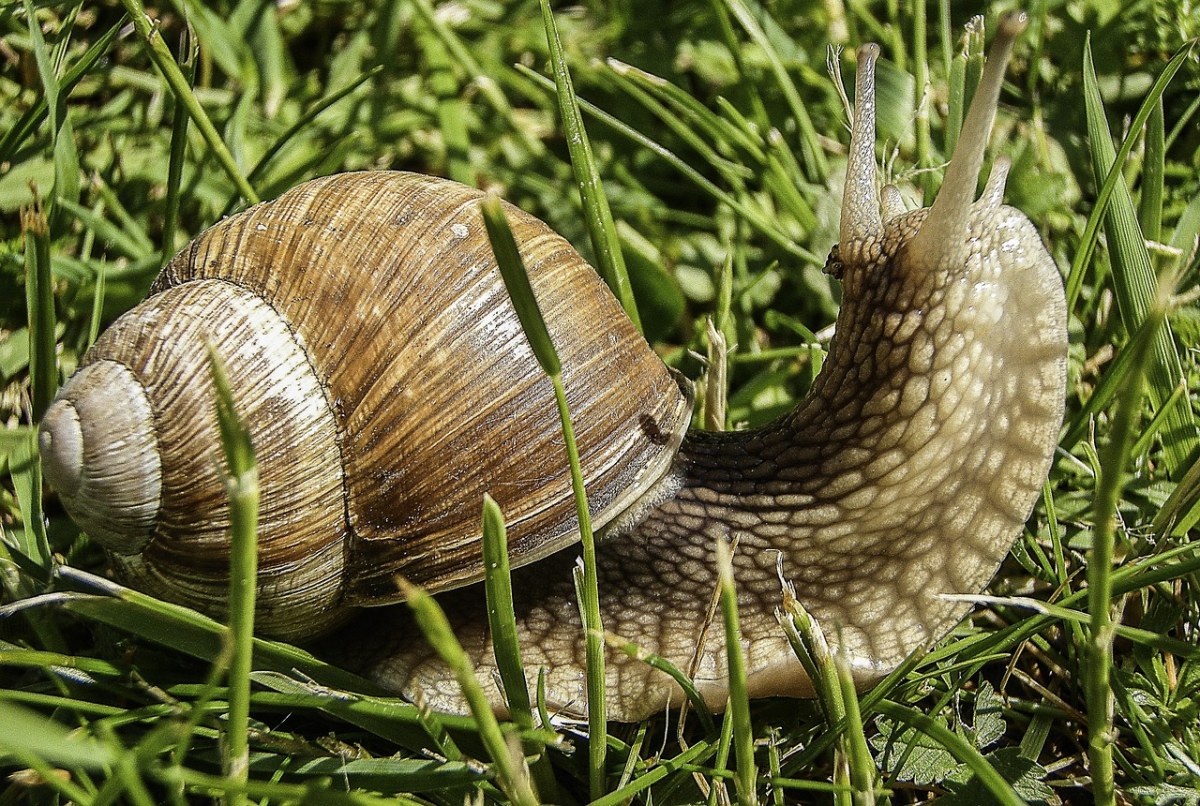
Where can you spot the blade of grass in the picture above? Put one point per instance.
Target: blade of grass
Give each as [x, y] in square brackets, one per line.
[965, 72]
[812, 157]
[451, 110]
[488, 81]
[697, 130]
[957, 746]
[179, 130]
[241, 484]
[160, 54]
[858, 754]
[509, 765]
[39, 302]
[304, 121]
[1150, 205]
[1114, 459]
[503, 621]
[720, 764]
[924, 155]
[733, 133]
[28, 734]
[97, 304]
[32, 118]
[739, 701]
[748, 86]
[760, 222]
[716, 379]
[1181, 511]
[596, 212]
[516, 280]
[1113, 173]
[663, 665]
[1134, 282]
[62, 136]
[808, 643]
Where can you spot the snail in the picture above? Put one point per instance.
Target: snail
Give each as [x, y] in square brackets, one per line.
[386, 384]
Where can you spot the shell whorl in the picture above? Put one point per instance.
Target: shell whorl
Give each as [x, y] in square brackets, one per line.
[100, 452]
[181, 552]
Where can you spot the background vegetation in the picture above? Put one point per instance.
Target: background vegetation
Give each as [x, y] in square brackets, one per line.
[720, 140]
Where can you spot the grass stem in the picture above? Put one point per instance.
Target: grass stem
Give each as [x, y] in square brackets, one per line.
[241, 482]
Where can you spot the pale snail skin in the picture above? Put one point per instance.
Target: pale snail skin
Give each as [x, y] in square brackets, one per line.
[905, 474]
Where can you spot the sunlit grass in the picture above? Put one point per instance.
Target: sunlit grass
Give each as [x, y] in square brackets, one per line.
[717, 141]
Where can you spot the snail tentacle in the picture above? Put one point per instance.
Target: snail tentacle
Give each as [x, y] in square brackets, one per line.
[993, 191]
[942, 235]
[892, 202]
[861, 224]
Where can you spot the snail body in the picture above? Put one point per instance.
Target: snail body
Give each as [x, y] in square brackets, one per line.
[904, 474]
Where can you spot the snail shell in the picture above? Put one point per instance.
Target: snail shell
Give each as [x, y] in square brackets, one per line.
[387, 385]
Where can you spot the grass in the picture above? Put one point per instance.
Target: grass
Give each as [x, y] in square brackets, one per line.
[717, 139]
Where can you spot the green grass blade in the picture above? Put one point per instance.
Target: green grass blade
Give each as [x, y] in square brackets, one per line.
[924, 155]
[303, 123]
[716, 379]
[1114, 460]
[241, 484]
[858, 755]
[165, 62]
[516, 280]
[498, 585]
[39, 305]
[489, 80]
[739, 700]
[29, 121]
[663, 665]
[1150, 204]
[1134, 281]
[28, 734]
[25, 467]
[680, 105]
[697, 130]
[451, 109]
[509, 763]
[66, 158]
[965, 72]
[1102, 154]
[596, 212]
[808, 643]
[179, 130]
[957, 746]
[811, 154]
[1181, 511]
[720, 764]
[759, 221]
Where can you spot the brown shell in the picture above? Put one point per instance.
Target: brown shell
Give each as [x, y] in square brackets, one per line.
[388, 283]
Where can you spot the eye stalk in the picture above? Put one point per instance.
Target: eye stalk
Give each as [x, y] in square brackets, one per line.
[861, 226]
[942, 239]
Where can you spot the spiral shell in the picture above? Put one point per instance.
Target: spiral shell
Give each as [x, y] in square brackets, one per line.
[386, 384]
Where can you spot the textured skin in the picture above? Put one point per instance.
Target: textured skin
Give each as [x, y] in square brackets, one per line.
[906, 473]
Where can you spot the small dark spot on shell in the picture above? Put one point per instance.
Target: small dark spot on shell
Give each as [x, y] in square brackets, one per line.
[652, 431]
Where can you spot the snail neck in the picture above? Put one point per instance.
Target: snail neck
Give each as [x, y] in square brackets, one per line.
[907, 471]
